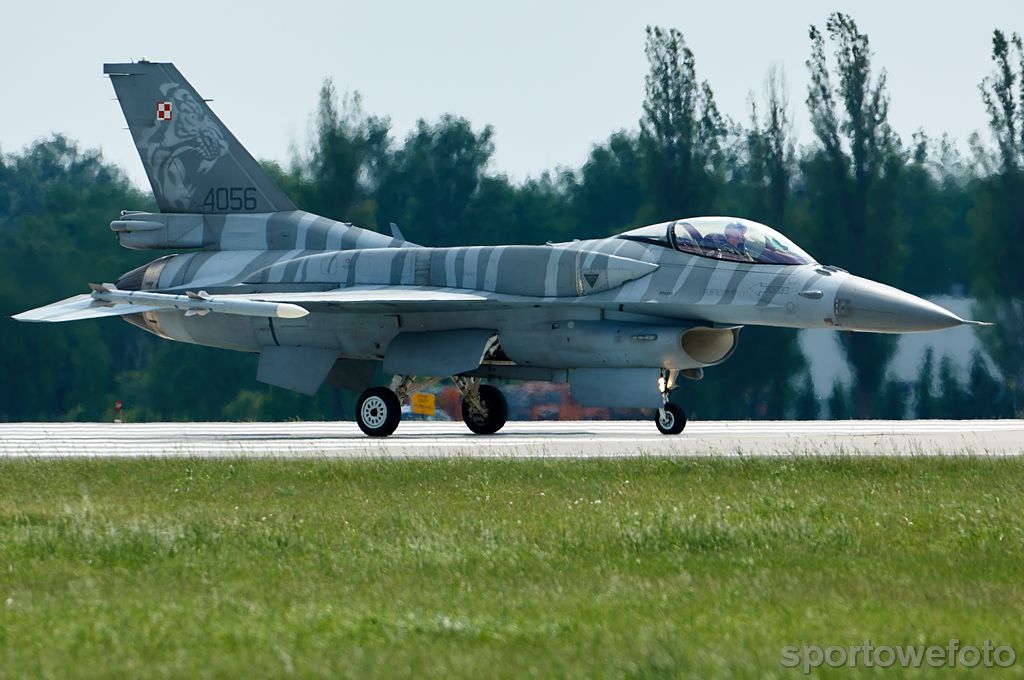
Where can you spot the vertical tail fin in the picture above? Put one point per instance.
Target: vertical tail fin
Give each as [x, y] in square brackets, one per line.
[193, 162]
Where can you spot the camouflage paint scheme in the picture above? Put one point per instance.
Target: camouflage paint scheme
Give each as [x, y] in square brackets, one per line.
[628, 311]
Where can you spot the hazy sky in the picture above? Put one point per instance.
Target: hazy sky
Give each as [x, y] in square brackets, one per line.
[553, 78]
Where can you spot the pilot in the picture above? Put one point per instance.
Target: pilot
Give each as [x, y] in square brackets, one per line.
[736, 239]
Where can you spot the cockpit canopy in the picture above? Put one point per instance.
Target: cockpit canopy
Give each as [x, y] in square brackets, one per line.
[723, 238]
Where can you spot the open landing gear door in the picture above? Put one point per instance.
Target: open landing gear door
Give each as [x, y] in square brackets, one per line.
[437, 353]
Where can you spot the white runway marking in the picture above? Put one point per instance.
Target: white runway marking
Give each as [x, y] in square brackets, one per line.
[517, 439]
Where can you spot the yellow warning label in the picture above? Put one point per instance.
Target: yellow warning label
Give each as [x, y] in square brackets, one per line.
[423, 404]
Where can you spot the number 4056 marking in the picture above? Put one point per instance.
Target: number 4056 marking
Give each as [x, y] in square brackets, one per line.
[230, 198]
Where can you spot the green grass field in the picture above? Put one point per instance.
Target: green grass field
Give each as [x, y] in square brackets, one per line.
[499, 568]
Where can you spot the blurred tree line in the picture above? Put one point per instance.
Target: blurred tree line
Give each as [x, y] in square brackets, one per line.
[916, 213]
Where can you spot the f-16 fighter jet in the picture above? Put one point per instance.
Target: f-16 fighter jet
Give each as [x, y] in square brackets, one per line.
[622, 319]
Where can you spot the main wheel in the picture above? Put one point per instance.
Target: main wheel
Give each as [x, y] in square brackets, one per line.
[378, 411]
[497, 411]
[670, 420]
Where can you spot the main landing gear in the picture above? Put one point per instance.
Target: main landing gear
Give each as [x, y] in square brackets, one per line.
[379, 409]
[670, 419]
[484, 408]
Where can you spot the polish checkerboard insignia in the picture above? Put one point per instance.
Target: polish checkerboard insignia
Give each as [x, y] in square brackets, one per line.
[163, 110]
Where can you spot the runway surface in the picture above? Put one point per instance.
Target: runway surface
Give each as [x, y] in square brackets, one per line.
[517, 439]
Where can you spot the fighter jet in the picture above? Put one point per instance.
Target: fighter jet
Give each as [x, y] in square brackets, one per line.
[622, 319]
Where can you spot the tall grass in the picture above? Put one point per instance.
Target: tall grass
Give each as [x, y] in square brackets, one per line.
[497, 568]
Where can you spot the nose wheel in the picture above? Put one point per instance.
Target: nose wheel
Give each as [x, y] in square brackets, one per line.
[670, 419]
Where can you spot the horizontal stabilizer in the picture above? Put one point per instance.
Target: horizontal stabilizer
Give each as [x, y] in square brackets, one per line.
[77, 308]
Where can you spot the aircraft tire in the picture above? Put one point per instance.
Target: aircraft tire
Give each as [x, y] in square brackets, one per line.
[497, 411]
[672, 422]
[378, 412]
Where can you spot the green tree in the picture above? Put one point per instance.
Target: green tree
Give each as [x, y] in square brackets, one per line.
[852, 180]
[535, 211]
[892, 402]
[924, 388]
[348, 155]
[997, 220]
[58, 201]
[988, 396]
[839, 407]
[760, 380]
[954, 399]
[178, 381]
[680, 132]
[807, 404]
[433, 180]
[771, 154]
[1002, 100]
[933, 202]
[608, 191]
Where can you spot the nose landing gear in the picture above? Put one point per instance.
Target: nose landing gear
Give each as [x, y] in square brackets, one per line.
[670, 419]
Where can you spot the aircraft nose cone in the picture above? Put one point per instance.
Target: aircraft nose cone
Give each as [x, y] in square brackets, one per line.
[864, 305]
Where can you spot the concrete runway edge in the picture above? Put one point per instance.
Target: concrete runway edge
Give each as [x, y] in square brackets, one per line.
[602, 439]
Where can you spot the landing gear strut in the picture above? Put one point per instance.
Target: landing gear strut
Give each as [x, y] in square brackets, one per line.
[670, 419]
[484, 408]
